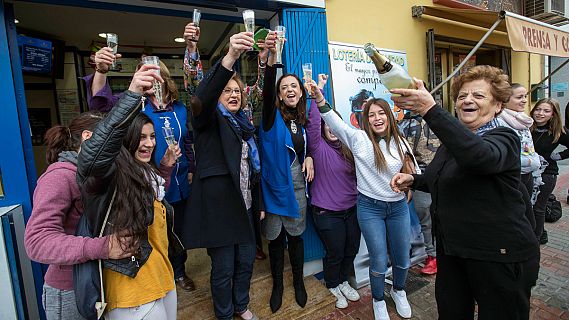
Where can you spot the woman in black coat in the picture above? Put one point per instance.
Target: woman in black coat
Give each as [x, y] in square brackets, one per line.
[486, 250]
[219, 215]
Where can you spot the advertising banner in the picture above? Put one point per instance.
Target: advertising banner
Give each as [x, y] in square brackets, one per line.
[356, 80]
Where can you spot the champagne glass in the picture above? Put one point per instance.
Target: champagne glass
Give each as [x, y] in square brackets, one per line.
[196, 21]
[249, 21]
[113, 43]
[307, 71]
[280, 30]
[157, 86]
[170, 139]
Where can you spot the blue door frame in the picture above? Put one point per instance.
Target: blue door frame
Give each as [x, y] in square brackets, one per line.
[17, 163]
[307, 42]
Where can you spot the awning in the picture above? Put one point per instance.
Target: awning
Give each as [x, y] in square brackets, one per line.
[525, 34]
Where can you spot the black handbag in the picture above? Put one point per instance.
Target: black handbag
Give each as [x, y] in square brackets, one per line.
[88, 276]
[553, 209]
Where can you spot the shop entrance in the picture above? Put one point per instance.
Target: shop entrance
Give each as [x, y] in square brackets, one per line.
[67, 40]
[450, 52]
[55, 43]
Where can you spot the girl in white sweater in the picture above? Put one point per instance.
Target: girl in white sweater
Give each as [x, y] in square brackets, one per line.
[383, 214]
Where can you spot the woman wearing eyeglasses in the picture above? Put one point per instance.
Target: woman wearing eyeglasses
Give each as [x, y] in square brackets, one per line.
[220, 217]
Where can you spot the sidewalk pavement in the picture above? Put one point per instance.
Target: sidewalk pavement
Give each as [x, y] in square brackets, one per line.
[550, 297]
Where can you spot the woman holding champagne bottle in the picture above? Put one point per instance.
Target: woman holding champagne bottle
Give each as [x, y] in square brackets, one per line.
[283, 148]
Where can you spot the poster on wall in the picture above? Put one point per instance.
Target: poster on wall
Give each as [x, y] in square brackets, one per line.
[68, 103]
[356, 80]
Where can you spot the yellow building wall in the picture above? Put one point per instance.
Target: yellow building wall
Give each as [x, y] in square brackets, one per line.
[389, 24]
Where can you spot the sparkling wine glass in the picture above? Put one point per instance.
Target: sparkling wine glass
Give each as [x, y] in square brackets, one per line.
[249, 21]
[170, 139]
[280, 30]
[307, 71]
[157, 86]
[113, 43]
[196, 21]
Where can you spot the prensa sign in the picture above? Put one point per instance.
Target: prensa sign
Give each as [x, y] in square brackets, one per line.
[536, 38]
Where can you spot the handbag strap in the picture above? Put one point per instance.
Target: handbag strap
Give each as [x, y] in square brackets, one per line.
[108, 212]
[415, 163]
[103, 303]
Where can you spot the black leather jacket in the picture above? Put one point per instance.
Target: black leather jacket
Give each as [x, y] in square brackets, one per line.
[95, 174]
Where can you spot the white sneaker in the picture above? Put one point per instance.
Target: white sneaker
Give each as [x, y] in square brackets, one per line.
[349, 292]
[341, 302]
[380, 310]
[401, 303]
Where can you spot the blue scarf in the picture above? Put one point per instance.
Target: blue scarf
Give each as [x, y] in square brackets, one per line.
[241, 123]
[494, 123]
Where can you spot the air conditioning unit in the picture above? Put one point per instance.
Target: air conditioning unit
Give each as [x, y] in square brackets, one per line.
[548, 11]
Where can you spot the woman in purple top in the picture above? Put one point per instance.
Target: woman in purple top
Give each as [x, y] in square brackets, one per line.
[334, 197]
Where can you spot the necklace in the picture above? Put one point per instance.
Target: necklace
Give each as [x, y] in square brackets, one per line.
[293, 127]
[542, 131]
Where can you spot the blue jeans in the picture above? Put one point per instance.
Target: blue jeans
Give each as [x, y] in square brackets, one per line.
[381, 222]
[231, 271]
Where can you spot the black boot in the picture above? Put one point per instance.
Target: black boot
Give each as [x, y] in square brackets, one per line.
[543, 239]
[296, 255]
[276, 259]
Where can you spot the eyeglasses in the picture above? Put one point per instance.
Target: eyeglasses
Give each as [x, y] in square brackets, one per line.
[228, 91]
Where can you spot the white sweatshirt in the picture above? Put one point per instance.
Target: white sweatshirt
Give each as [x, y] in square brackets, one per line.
[370, 182]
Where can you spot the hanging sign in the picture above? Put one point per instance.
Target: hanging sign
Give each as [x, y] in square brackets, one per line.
[529, 36]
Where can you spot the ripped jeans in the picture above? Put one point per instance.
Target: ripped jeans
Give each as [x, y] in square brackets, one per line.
[382, 222]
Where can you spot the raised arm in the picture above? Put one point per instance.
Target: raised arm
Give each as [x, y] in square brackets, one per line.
[98, 154]
[99, 94]
[193, 70]
[269, 93]
[342, 130]
[314, 123]
[216, 79]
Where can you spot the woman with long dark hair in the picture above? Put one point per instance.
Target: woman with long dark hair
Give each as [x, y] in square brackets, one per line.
[116, 175]
[334, 196]
[170, 113]
[283, 150]
[50, 232]
[548, 133]
[383, 215]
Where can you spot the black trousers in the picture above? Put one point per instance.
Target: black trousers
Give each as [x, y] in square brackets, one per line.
[178, 261]
[501, 290]
[545, 190]
[340, 233]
